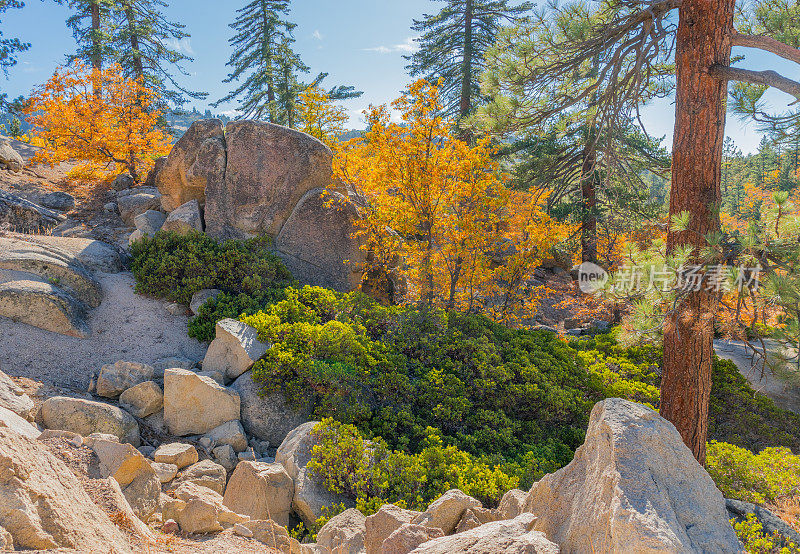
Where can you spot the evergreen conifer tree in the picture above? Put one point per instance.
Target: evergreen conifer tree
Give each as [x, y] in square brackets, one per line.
[144, 45]
[453, 47]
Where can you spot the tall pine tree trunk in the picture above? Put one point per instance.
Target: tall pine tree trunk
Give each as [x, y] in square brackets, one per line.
[589, 203]
[703, 40]
[97, 49]
[465, 103]
[138, 68]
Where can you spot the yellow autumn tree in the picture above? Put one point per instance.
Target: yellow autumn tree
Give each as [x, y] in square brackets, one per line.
[320, 117]
[441, 205]
[104, 120]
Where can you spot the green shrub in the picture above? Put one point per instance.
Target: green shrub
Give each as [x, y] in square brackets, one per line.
[764, 477]
[174, 266]
[756, 541]
[395, 372]
[739, 415]
[371, 474]
[230, 305]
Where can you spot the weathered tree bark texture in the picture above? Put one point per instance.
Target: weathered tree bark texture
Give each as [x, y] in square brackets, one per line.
[704, 39]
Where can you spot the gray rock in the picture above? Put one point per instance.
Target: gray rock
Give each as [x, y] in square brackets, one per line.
[149, 222]
[201, 297]
[44, 306]
[58, 201]
[137, 203]
[86, 417]
[205, 473]
[120, 376]
[25, 216]
[771, 523]
[225, 456]
[56, 266]
[196, 162]
[185, 219]
[143, 399]
[230, 432]
[195, 404]
[234, 350]
[268, 170]
[316, 242]
[310, 495]
[633, 485]
[13, 398]
[123, 181]
[512, 536]
[9, 158]
[110, 207]
[268, 417]
[93, 255]
[343, 532]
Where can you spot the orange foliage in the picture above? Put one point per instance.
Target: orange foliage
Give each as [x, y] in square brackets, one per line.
[441, 206]
[106, 121]
[319, 117]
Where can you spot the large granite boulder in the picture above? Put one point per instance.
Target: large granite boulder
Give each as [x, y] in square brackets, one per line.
[512, 535]
[445, 512]
[52, 265]
[13, 398]
[86, 417]
[343, 533]
[196, 162]
[93, 255]
[317, 245]
[269, 417]
[9, 158]
[45, 306]
[234, 350]
[633, 486]
[310, 495]
[260, 490]
[137, 201]
[136, 477]
[196, 404]
[184, 219]
[25, 216]
[383, 523]
[44, 506]
[269, 169]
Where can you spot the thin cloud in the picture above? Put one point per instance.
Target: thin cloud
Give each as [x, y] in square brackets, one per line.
[317, 35]
[406, 47]
[183, 45]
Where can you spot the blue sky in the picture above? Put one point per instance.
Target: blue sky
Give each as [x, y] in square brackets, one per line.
[359, 42]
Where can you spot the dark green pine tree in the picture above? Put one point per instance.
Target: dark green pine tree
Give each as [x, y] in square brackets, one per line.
[145, 46]
[93, 28]
[262, 60]
[11, 45]
[453, 47]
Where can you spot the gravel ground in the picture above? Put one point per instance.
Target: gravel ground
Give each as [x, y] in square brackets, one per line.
[126, 326]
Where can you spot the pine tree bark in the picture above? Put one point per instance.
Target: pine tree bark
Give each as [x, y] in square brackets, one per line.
[97, 53]
[138, 67]
[465, 103]
[588, 204]
[703, 39]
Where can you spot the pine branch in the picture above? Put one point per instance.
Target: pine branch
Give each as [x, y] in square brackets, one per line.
[768, 44]
[769, 78]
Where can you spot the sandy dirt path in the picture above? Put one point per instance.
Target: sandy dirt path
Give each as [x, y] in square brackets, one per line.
[126, 326]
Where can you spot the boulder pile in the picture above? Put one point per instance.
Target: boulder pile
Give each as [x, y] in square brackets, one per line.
[253, 178]
[632, 487]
